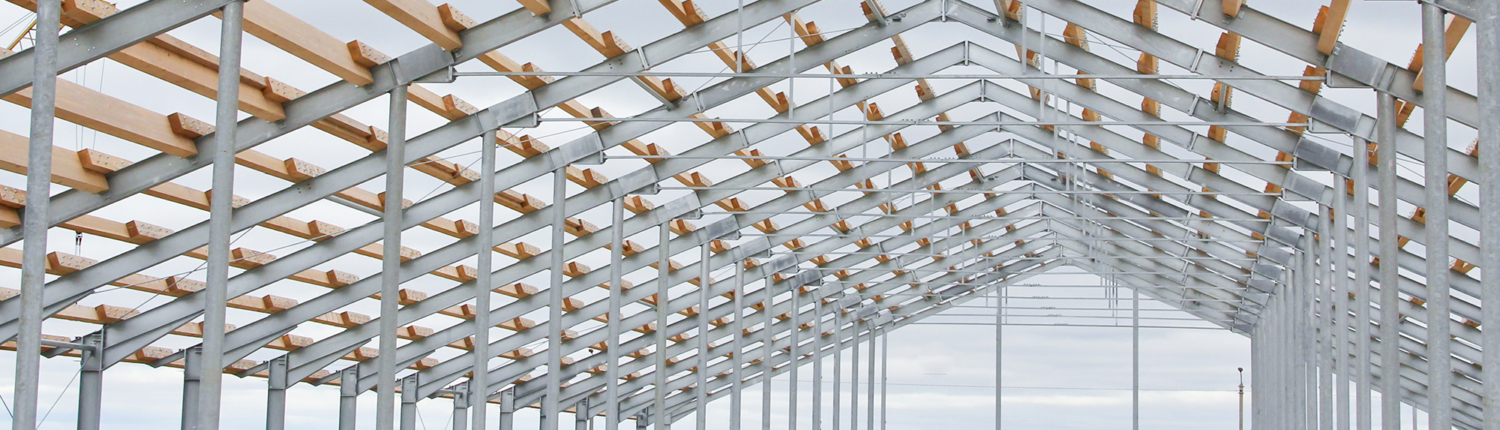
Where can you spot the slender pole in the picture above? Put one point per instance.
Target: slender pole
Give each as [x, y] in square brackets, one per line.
[1307, 331]
[216, 295]
[34, 225]
[1242, 398]
[1135, 360]
[1435, 168]
[550, 407]
[817, 386]
[766, 338]
[700, 391]
[999, 356]
[616, 293]
[853, 371]
[1390, 281]
[479, 384]
[1488, 35]
[885, 353]
[191, 387]
[1361, 289]
[659, 411]
[91, 382]
[738, 383]
[1343, 368]
[409, 403]
[838, 365]
[1325, 297]
[870, 376]
[390, 278]
[348, 397]
[793, 340]
[461, 408]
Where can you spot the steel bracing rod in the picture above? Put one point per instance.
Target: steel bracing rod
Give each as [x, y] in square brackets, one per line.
[1435, 171]
[889, 76]
[305, 110]
[85, 44]
[924, 122]
[220, 211]
[532, 167]
[1284, 141]
[1488, 42]
[527, 169]
[38, 183]
[412, 65]
[1287, 96]
[932, 147]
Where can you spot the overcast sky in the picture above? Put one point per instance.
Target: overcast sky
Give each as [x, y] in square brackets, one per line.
[940, 376]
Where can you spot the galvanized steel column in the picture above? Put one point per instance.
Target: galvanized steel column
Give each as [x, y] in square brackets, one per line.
[616, 291]
[348, 397]
[794, 341]
[870, 376]
[766, 338]
[550, 407]
[91, 381]
[1327, 363]
[1135, 359]
[479, 383]
[390, 276]
[838, 364]
[276, 385]
[34, 221]
[736, 398]
[1343, 369]
[999, 353]
[192, 359]
[1435, 169]
[853, 369]
[1390, 281]
[817, 386]
[220, 209]
[1488, 35]
[700, 392]
[1362, 285]
[659, 412]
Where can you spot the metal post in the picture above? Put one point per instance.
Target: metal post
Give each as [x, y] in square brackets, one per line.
[1390, 281]
[853, 370]
[737, 384]
[870, 373]
[34, 221]
[1343, 368]
[507, 410]
[1435, 168]
[390, 277]
[90, 381]
[1242, 398]
[479, 383]
[1135, 359]
[817, 386]
[192, 387]
[612, 416]
[550, 407]
[1361, 290]
[219, 212]
[582, 415]
[276, 385]
[700, 391]
[348, 397]
[663, 287]
[794, 339]
[838, 366]
[999, 357]
[1325, 294]
[766, 338]
[1488, 35]
[409, 403]
[1306, 332]
[885, 353]
[461, 407]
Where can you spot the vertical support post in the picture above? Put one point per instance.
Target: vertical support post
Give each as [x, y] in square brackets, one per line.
[612, 416]
[276, 385]
[1390, 281]
[90, 381]
[853, 369]
[550, 407]
[838, 364]
[1361, 290]
[479, 383]
[409, 403]
[461, 407]
[766, 339]
[348, 397]
[1488, 35]
[870, 376]
[390, 277]
[736, 399]
[582, 415]
[642, 421]
[34, 221]
[1135, 359]
[1306, 332]
[663, 290]
[793, 340]
[885, 353]
[507, 410]
[817, 386]
[220, 210]
[192, 393]
[1342, 367]
[1435, 169]
[999, 353]
[1325, 296]
[700, 390]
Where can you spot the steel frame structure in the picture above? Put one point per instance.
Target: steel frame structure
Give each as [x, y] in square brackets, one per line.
[1050, 175]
